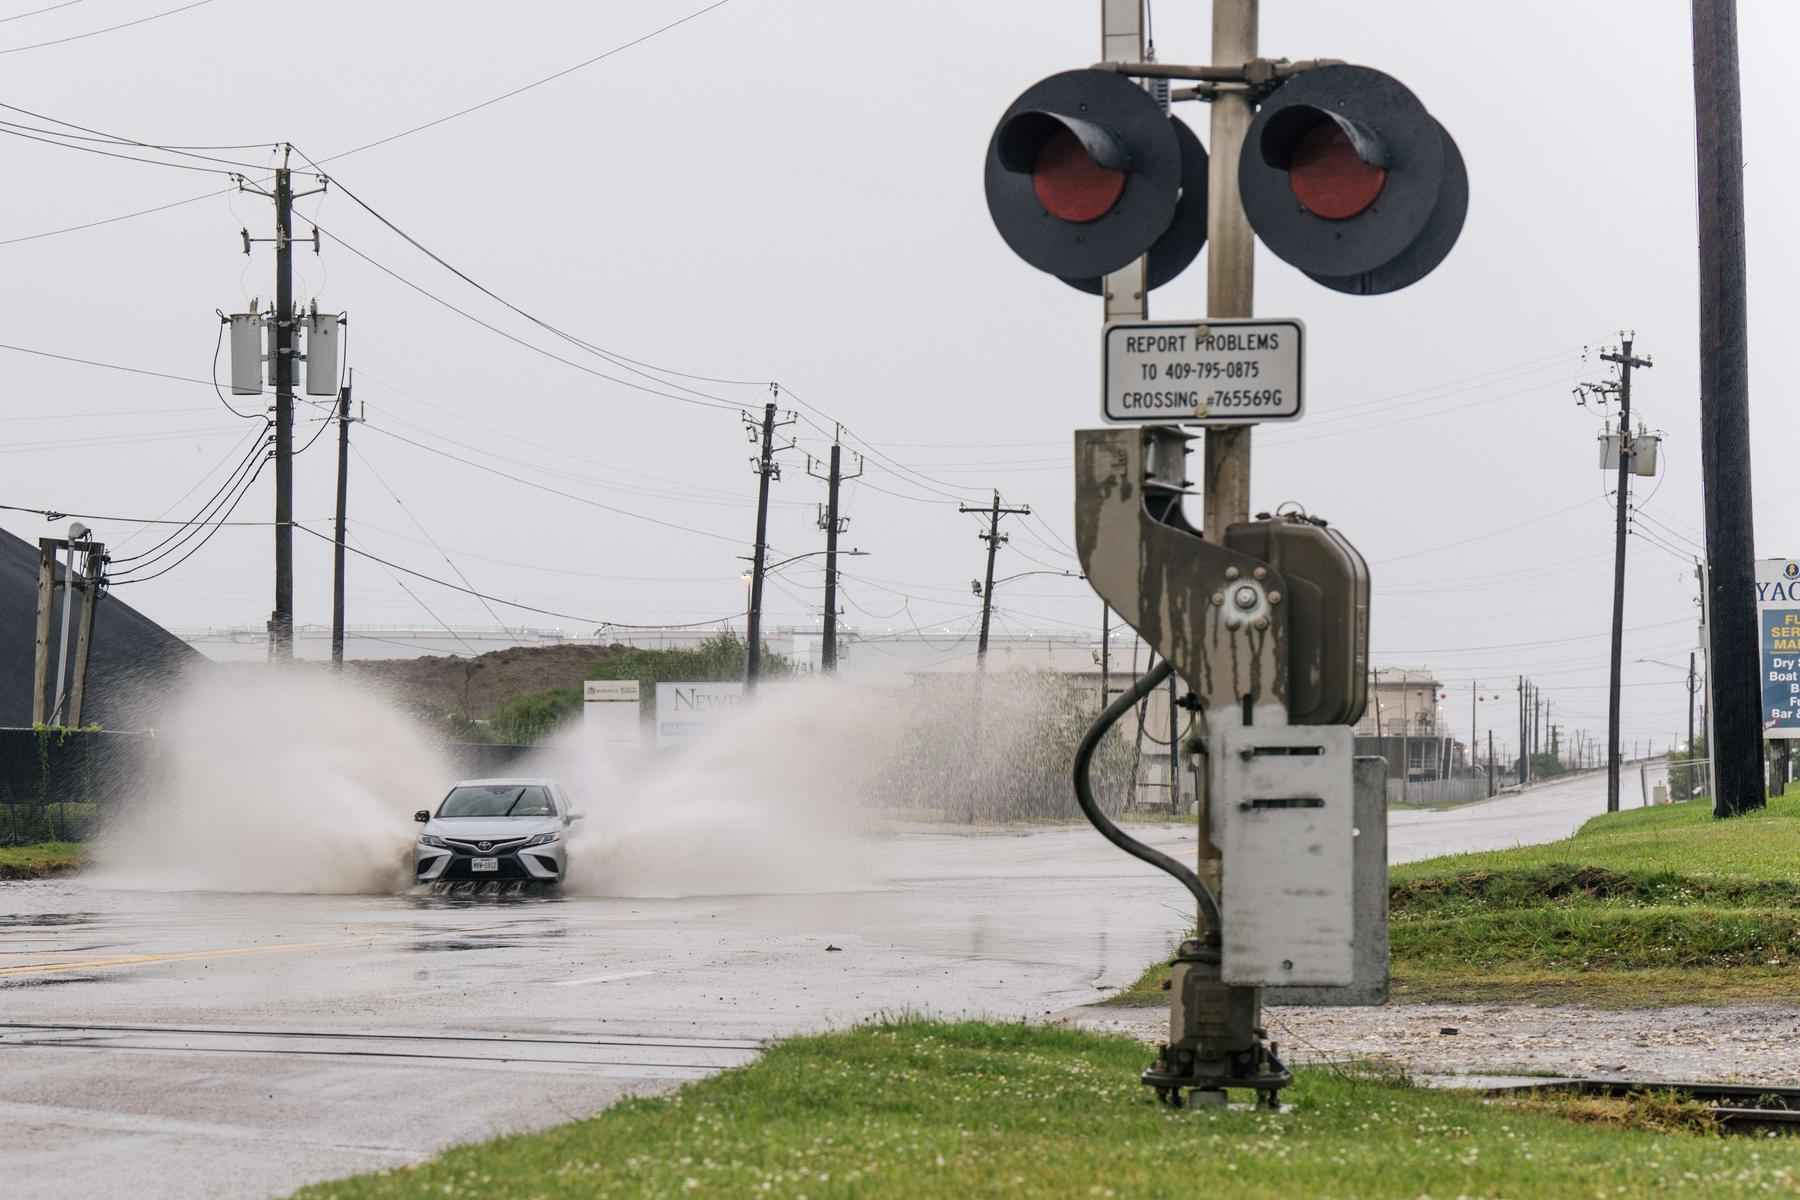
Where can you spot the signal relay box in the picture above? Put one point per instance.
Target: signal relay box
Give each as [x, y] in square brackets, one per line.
[1328, 614]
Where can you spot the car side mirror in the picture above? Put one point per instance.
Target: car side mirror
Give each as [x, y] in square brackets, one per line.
[574, 817]
[422, 816]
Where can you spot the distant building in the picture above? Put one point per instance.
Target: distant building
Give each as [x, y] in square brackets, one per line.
[1404, 725]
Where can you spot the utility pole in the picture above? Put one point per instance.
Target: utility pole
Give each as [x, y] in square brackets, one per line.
[994, 538]
[1105, 655]
[1537, 720]
[284, 361]
[1693, 685]
[281, 624]
[1625, 360]
[337, 549]
[1405, 737]
[59, 701]
[1490, 762]
[40, 658]
[833, 525]
[1524, 744]
[766, 468]
[1474, 718]
[1732, 661]
[84, 630]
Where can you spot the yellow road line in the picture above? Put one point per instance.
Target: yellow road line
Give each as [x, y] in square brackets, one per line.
[133, 960]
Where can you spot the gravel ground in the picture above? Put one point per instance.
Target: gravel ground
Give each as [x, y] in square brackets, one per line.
[1740, 1043]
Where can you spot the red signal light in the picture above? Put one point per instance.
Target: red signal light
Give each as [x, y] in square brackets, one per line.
[1070, 184]
[1328, 177]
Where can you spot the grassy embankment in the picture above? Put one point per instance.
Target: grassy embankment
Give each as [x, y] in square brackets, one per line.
[925, 1109]
[39, 859]
[1644, 907]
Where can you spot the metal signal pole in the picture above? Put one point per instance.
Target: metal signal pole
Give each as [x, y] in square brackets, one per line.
[766, 468]
[833, 525]
[337, 549]
[1725, 414]
[994, 538]
[1230, 256]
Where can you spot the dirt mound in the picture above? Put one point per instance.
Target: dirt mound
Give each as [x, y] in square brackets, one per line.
[472, 688]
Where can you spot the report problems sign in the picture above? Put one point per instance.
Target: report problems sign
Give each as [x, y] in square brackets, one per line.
[1778, 615]
[1202, 372]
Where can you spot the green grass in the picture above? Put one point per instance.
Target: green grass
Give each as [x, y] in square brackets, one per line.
[926, 1109]
[1644, 907]
[40, 859]
[1683, 839]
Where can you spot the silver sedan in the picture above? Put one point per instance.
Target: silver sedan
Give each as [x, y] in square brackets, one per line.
[501, 829]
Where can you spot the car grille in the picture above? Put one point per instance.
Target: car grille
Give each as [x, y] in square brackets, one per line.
[506, 847]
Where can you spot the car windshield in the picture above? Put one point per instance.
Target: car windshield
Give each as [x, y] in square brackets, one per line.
[498, 800]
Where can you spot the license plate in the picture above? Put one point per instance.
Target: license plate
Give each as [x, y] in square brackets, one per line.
[484, 864]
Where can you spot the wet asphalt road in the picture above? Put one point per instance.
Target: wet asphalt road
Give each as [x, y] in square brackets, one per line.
[208, 1044]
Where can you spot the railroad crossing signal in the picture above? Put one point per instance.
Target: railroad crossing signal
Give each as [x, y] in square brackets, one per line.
[1346, 176]
[1343, 174]
[1086, 173]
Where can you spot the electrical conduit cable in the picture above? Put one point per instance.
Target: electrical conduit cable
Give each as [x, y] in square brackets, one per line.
[1084, 796]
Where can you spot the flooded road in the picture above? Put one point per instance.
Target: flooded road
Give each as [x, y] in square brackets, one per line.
[218, 1044]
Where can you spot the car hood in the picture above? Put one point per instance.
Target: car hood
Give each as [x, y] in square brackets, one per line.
[491, 829]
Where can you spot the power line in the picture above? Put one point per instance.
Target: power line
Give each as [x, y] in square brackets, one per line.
[38, 12]
[87, 134]
[93, 362]
[255, 440]
[1458, 650]
[706, 402]
[595, 621]
[1676, 553]
[536, 83]
[580, 343]
[1669, 529]
[112, 439]
[1483, 536]
[201, 544]
[144, 212]
[18, 131]
[256, 447]
[129, 216]
[417, 524]
[77, 37]
[691, 494]
[542, 487]
[420, 601]
[57, 514]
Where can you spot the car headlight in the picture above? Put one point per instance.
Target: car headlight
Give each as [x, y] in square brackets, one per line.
[428, 839]
[543, 839]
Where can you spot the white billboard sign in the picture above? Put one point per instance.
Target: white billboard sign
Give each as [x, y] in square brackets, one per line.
[688, 710]
[610, 714]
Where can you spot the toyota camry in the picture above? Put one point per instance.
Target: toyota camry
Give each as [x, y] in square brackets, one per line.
[495, 829]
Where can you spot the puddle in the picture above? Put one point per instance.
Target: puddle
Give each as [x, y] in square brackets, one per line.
[42, 920]
[458, 944]
[34, 981]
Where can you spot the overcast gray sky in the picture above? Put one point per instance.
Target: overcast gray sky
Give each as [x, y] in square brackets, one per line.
[788, 190]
